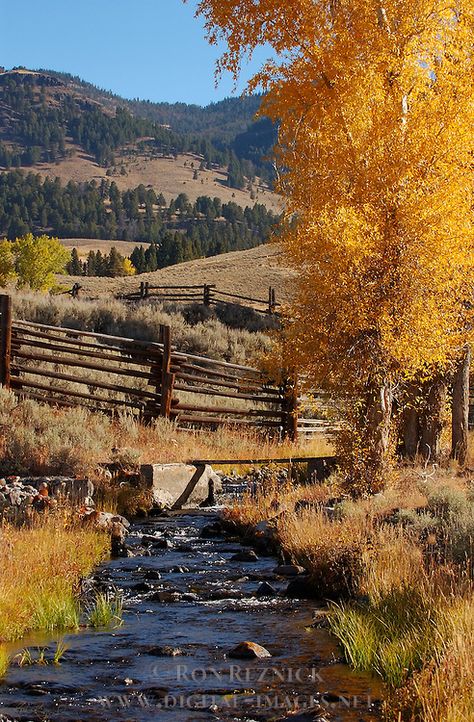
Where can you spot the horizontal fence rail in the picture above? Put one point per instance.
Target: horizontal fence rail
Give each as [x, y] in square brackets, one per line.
[71, 367]
[207, 294]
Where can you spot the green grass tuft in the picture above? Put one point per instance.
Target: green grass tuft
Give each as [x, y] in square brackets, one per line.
[106, 610]
[56, 613]
[4, 661]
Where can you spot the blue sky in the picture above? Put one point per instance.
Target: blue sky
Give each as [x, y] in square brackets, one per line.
[152, 49]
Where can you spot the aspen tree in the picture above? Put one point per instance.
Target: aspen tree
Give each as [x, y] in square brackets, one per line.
[375, 107]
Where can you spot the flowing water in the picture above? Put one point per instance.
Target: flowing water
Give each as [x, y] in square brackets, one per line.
[125, 674]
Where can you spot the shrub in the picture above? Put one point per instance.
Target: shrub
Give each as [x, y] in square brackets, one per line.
[37, 260]
[331, 551]
[194, 334]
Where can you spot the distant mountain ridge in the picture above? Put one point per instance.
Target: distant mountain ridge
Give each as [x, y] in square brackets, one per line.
[77, 161]
[41, 110]
[222, 120]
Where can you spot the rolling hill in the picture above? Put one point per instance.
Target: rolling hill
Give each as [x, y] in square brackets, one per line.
[79, 162]
[249, 273]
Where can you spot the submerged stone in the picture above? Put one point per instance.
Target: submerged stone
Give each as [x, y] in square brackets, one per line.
[249, 650]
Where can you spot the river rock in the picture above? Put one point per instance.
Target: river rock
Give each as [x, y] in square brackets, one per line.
[289, 570]
[301, 588]
[244, 556]
[211, 530]
[249, 650]
[148, 539]
[155, 693]
[164, 651]
[217, 595]
[179, 570]
[320, 619]
[152, 574]
[184, 547]
[162, 544]
[266, 590]
[165, 596]
[142, 587]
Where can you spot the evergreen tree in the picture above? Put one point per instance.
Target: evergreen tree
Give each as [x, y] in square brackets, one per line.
[74, 267]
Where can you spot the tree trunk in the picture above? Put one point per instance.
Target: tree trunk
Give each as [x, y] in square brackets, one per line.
[374, 450]
[410, 423]
[460, 409]
[379, 414]
[432, 420]
[410, 433]
[363, 444]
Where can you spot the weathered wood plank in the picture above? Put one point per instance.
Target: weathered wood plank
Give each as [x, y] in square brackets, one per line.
[35, 371]
[60, 361]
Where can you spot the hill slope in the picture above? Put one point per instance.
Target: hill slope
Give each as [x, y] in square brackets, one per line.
[249, 273]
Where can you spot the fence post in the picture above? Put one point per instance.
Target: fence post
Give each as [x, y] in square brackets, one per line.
[290, 407]
[142, 289]
[167, 378]
[6, 339]
[146, 289]
[207, 295]
[75, 290]
[273, 300]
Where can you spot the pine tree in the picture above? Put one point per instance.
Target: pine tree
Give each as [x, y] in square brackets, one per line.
[74, 267]
[114, 263]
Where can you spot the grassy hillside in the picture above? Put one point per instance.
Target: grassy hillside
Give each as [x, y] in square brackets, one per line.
[248, 273]
[84, 245]
[169, 176]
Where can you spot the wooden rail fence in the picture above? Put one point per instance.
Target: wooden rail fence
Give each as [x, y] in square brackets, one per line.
[71, 367]
[207, 294]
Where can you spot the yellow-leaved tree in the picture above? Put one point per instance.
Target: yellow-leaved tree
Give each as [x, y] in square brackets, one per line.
[7, 263]
[375, 105]
[37, 260]
[128, 267]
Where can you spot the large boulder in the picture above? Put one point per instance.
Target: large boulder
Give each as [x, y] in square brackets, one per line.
[289, 570]
[179, 485]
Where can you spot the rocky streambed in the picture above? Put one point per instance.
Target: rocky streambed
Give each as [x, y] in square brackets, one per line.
[192, 596]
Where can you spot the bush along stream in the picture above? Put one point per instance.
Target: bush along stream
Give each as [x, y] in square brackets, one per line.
[210, 630]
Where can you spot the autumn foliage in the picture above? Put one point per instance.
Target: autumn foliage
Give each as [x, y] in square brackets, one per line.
[375, 107]
[32, 261]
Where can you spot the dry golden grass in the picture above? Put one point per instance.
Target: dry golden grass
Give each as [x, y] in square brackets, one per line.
[35, 438]
[40, 569]
[202, 336]
[444, 690]
[85, 245]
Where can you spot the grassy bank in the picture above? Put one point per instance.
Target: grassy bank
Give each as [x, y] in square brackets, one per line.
[397, 570]
[40, 573]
